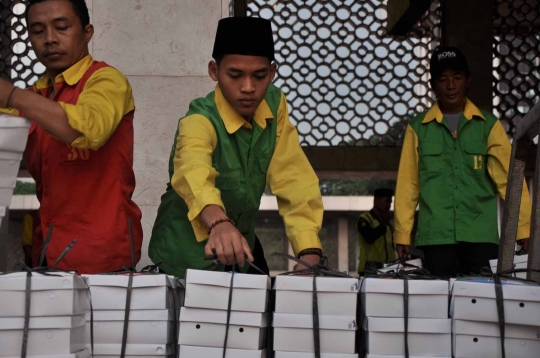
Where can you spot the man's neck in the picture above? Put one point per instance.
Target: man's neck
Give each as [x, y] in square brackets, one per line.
[452, 110]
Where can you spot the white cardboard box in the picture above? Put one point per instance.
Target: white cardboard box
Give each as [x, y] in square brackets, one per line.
[279, 354]
[482, 340]
[520, 262]
[13, 133]
[58, 294]
[210, 289]
[149, 292]
[336, 296]
[206, 328]
[82, 354]
[294, 333]
[145, 327]
[426, 337]
[384, 298]
[6, 190]
[136, 350]
[46, 335]
[474, 300]
[208, 352]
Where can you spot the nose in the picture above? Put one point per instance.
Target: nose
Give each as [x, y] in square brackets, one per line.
[248, 85]
[51, 37]
[451, 84]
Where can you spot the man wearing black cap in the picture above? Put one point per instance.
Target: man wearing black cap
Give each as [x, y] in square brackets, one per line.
[228, 147]
[455, 159]
[375, 229]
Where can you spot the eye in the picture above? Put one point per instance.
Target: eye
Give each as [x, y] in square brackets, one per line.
[37, 32]
[260, 77]
[234, 76]
[62, 28]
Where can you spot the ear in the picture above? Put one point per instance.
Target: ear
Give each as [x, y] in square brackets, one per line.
[213, 70]
[88, 32]
[273, 70]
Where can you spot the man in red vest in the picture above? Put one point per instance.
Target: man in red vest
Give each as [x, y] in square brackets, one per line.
[80, 144]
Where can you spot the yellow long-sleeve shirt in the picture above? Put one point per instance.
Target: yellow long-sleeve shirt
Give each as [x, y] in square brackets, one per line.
[106, 99]
[290, 176]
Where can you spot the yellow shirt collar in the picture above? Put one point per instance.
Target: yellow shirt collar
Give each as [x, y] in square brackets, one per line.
[470, 111]
[71, 76]
[233, 120]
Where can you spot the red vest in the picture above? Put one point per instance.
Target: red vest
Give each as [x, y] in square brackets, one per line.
[85, 194]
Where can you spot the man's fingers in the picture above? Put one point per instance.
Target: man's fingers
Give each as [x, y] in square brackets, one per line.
[220, 252]
[208, 249]
[247, 250]
[238, 249]
[228, 251]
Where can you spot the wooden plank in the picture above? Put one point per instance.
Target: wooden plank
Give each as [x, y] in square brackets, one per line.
[404, 14]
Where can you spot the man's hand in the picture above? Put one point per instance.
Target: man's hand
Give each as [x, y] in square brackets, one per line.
[224, 238]
[524, 244]
[228, 243]
[5, 90]
[403, 251]
[310, 259]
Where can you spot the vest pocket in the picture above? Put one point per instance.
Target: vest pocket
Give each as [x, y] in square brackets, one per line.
[475, 157]
[430, 157]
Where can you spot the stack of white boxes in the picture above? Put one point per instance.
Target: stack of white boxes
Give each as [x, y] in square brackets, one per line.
[293, 318]
[520, 262]
[151, 319]
[429, 329]
[59, 303]
[204, 315]
[13, 136]
[476, 332]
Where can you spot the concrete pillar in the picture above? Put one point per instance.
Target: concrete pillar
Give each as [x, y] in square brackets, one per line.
[343, 243]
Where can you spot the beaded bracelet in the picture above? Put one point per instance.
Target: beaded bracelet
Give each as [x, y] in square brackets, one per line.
[220, 221]
[318, 252]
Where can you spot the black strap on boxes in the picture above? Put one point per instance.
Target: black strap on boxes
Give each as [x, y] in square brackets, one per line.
[213, 267]
[499, 296]
[148, 270]
[45, 271]
[400, 274]
[314, 270]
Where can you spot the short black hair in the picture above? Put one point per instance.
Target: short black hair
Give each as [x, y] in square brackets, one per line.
[79, 6]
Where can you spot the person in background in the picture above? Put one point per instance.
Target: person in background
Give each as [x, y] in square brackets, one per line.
[376, 233]
[80, 143]
[454, 161]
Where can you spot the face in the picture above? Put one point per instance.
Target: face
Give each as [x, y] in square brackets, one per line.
[243, 80]
[451, 89]
[57, 35]
[383, 204]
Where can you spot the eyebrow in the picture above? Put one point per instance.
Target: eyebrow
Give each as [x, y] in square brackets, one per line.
[232, 69]
[58, 19]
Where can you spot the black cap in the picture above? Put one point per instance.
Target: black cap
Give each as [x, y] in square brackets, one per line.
[445, 58]
[383, 193]
[250, 36]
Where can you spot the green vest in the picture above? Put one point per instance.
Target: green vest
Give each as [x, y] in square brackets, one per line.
[457, 196]
[242, 161]
[382, 250]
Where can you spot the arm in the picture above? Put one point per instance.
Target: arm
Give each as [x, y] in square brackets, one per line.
[105, 100]
[194, 181]
[498, 162]
[293, 181]
[369, 234]
[407, 189]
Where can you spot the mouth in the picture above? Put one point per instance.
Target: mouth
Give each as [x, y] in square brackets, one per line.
[247, 102]
[53, 54]
[452, 96]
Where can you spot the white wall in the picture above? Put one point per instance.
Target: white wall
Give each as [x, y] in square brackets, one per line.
[163, 47]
